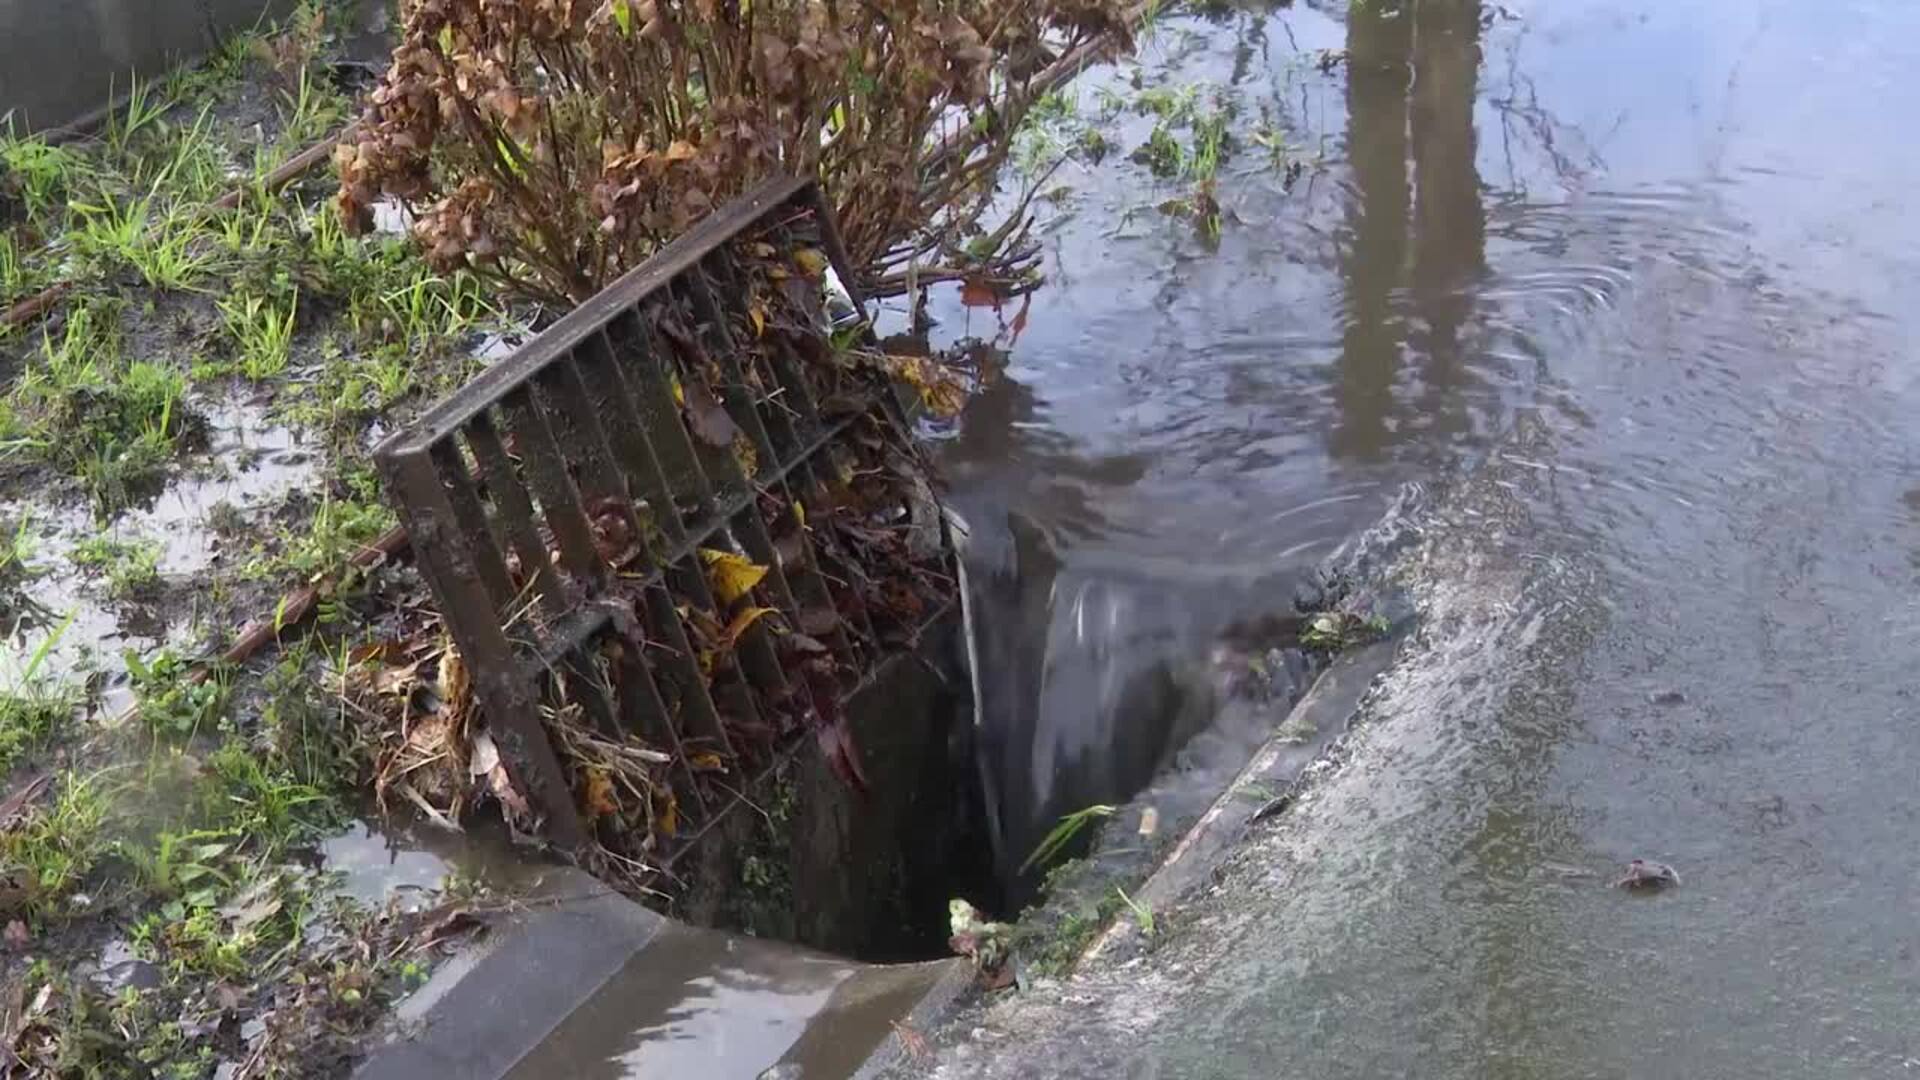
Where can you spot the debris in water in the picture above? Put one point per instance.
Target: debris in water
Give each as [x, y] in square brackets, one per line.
[1149, 821]
[1645, 874]
[985, 943]
[1667, 697]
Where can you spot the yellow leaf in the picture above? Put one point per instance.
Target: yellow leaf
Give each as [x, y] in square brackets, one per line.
[707, 761]
[733, 575]
[743, 620]
[679, 395]
[669, 820]
[598, 795]
[759, 320]
[811, 261]
[799, 513]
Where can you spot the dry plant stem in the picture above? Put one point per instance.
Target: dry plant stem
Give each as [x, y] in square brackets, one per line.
[292, 610]
[290, 170]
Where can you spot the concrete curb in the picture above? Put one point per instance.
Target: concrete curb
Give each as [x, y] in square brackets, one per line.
[492, 1004]
[1260, 788]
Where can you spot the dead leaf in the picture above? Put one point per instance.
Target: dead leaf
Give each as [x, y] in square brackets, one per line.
[746, 618]
[485, 755]
[803, 644]
[759, 317]
[16, 935]
[17, 802]
[667, 821]
[456, 683]
[597, 797]
[706, 417]
[396, 681]
[976, 293]
[733, 576]
[819, 621]
[707, 761]
[502, 787]
[255, 905]
[811, 261]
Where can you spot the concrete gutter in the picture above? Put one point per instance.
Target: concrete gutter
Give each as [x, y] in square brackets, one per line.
[1265, 786]
[580, 981]
[63, 64]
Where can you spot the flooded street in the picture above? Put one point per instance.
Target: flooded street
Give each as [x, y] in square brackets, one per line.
[1629, 286]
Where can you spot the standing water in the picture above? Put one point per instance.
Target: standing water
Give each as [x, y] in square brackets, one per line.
[1644, 271]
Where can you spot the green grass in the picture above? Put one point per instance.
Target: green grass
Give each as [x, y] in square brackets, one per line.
[132, 568]
[29, 720]
[39, 174]
[83, 407]
[1063, 834]
[171, 704]
[261, 333]
[47, 858]
[1142, 912]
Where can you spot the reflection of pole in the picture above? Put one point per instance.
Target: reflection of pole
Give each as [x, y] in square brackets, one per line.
[1379, 39]
[1449, 227]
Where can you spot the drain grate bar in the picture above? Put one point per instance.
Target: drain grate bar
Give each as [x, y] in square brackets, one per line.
[566, 504]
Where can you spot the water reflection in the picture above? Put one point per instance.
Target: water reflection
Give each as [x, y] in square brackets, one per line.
[1415, 228]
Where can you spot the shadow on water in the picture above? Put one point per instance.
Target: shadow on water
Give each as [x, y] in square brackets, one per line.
[1181, 433]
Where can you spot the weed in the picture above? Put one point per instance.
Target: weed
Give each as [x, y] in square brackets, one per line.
[132, 567]
[1162, 153]
[308, 111]
[1333, 631]
[143, 110]
[1063, 834]
[16, 554]
[340, 529]
[253, 796]
[171, 702]
[1209, 145]
[1171, 104]
[184, 866]
[17, 276]
[37, 173]
[262, 334]
[1142, 912]
[85, 409]
[47, 858]
[28, 721]
[162, 246]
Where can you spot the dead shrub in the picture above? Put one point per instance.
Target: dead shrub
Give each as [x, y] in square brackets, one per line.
[552, 144]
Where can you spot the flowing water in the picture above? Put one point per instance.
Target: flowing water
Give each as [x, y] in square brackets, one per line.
[1633, 283]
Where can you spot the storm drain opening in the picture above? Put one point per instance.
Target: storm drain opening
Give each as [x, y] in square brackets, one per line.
[695, 567]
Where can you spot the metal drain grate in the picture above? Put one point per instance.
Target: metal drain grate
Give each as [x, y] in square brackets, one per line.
[577, 508]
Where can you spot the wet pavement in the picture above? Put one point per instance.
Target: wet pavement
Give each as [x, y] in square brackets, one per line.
[1629, 286]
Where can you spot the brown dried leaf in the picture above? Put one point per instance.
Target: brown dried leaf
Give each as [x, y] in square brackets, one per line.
[706, 416]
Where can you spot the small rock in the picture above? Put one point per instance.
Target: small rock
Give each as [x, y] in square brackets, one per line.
[1647, 874]
[135, 974]
[16, 935]
[1667, 697]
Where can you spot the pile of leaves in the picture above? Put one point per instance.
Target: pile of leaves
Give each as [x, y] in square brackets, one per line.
[552, 144]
